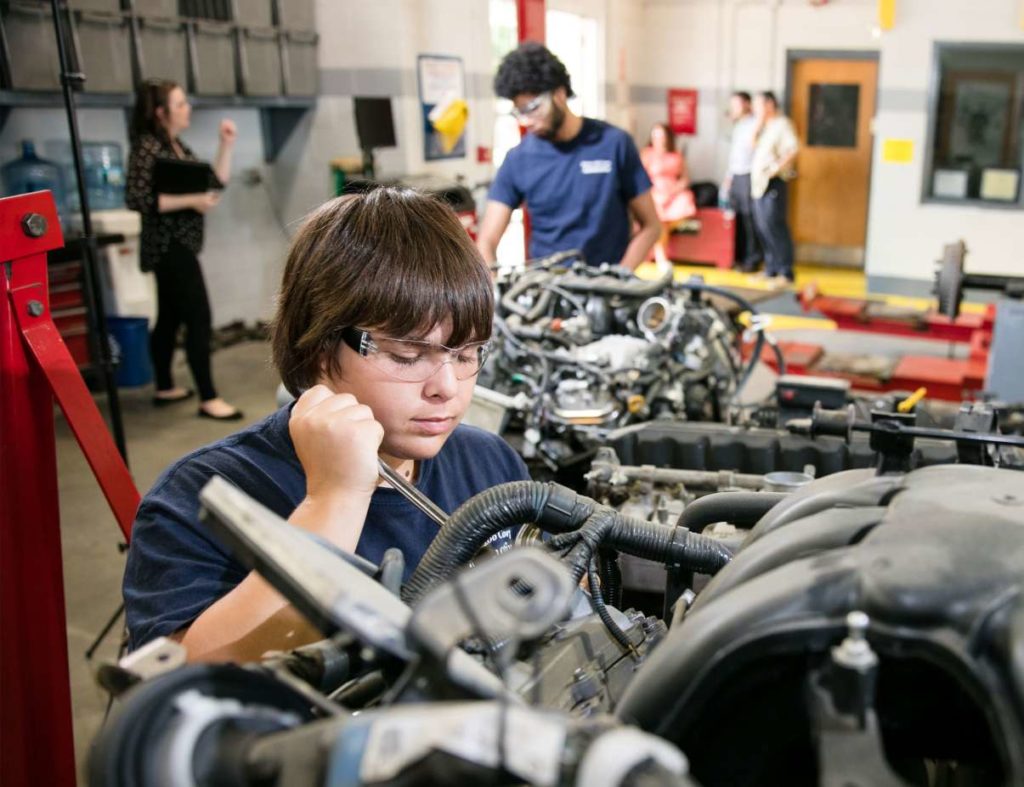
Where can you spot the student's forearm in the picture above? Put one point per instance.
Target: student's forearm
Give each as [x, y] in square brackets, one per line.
[222, 162]
[640, 244]
[254, 618]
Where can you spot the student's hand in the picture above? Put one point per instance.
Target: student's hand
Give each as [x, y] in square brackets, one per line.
[203, 201]
[228, 131]
[336, 439]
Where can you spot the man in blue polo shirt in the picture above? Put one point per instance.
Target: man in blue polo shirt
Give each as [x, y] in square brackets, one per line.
[581, 179]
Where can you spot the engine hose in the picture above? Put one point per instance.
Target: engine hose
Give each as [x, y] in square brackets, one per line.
[647, 540]
[743, 303]
[743, 509]
[594, 532]
[527, 280]
[668, 545]
[780, 359]
[611, 576]
[597, 602]
[553, 507]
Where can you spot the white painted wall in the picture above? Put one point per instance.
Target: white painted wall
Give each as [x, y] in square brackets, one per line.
[717, 46]
[371, 49]
[905, 237]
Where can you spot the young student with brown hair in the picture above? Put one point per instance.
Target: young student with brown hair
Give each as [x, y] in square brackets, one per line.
[382, 325]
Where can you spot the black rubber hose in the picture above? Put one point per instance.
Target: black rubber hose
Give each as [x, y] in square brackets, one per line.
[594, 532]
[597, 602]
[553, 507]
[611, 576]
[780, 359]
[668, 545]
[742, 509]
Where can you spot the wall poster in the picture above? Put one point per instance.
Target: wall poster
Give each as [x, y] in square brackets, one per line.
[442, 92]
[682, 110]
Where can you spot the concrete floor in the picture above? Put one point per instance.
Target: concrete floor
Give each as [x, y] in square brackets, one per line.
[92, 563]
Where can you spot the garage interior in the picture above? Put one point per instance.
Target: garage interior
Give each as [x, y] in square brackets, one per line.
[868, 406]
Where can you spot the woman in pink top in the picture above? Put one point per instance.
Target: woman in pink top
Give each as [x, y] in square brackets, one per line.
[670, 183]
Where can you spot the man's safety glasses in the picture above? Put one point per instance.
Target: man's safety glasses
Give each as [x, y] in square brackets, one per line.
[532, 108]
[414, 361]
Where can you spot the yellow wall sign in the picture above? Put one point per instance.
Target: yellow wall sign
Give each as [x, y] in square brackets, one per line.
[886, 14]
[898, 151]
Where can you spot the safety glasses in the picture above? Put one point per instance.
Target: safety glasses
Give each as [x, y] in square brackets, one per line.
[415, 361]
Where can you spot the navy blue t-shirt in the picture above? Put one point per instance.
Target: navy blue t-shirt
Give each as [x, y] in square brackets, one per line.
[177, 568]
[577, 192]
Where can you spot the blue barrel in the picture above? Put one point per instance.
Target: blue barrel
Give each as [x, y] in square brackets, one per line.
[129, 339]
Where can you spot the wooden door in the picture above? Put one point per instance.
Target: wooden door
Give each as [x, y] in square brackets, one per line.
[832, 106]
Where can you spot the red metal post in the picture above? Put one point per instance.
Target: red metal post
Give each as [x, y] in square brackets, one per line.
[36, 368]
[530, 15]
[35, 696]
[532, 26]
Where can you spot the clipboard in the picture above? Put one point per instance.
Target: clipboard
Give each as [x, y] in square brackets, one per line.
[178, 176]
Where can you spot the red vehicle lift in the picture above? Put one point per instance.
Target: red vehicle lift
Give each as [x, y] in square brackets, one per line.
[949, 379]
[35, 369]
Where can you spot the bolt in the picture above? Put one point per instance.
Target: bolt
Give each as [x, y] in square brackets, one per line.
[34, 225]
[35, 308]
[854, 652]
[857, 624]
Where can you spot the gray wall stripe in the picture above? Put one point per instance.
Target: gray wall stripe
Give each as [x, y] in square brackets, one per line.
[402, 82]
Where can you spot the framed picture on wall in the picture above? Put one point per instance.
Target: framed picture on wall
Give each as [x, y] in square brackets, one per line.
[442, 93]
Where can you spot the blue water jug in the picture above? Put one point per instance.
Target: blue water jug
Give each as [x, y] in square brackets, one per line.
[31, 173]
[104, 175]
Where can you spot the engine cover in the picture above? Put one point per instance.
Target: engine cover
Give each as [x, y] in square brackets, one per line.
[935, 558]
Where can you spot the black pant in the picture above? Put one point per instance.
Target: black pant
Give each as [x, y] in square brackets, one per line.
[772, 230]
[748, 250]
[181, 299]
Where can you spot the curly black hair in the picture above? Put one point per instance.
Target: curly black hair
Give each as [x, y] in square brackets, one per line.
[531, 69]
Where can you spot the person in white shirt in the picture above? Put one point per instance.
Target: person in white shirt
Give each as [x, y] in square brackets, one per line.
[737, 181]
[775, 149]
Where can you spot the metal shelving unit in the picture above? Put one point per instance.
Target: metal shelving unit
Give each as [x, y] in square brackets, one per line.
[280, 113]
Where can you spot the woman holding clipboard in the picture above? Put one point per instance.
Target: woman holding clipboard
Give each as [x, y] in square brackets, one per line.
[172, 237]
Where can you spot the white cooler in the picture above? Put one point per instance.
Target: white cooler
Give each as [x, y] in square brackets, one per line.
[128, 292]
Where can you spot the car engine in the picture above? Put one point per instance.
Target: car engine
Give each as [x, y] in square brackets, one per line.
[861, 627]
[580, 350]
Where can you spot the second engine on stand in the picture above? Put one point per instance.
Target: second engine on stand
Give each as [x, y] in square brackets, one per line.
[582, 350]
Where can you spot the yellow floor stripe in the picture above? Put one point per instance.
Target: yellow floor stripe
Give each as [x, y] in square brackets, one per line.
[837, 282]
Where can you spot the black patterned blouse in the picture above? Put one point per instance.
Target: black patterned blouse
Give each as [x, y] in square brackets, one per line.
[158, 229]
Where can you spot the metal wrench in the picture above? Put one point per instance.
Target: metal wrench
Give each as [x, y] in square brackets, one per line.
[412, 494]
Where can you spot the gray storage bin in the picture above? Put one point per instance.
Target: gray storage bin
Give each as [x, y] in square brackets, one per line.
[105, 6]
[252, 13]
[31, 46]
[261, 62]
[164, 8]
[300, 70]
[103, 44]
[162, 50]
[214, 44]
[296, 14]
